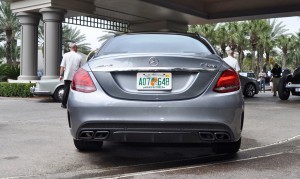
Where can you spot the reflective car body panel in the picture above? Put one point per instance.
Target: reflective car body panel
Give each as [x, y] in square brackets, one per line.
[188, 82]
[180, 114]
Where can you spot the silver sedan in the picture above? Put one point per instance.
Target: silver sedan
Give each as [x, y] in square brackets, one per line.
[156, 88]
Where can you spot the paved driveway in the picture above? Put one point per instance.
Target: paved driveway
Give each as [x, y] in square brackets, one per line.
[35, 143]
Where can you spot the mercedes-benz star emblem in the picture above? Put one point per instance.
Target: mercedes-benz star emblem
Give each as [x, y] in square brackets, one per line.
[153, 61]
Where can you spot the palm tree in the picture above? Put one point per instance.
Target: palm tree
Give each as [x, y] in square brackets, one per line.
[206, 30]
[73, 35]
[69, 35]
[294, 54]
[241, 41]
[284, 42]
[221, 37]
[256, 28]
[232, 29]
[269, 39]
[10, 25]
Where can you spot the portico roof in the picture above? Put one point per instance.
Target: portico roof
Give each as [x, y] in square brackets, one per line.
[185, 12]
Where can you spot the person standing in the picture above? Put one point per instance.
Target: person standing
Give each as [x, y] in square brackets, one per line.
[262, 80]
[70, 63]
[276, 74]
[230, 60]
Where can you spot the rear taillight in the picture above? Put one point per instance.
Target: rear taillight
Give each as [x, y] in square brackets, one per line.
[82, 82]
[228, 82]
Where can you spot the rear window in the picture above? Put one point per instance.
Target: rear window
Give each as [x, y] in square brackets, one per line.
[154, 43]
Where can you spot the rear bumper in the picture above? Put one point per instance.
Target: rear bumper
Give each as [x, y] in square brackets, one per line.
[156, 132]
[156, 121]
[37, 92]
[292, 85]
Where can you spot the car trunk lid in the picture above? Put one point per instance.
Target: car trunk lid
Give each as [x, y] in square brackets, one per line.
[155, 77]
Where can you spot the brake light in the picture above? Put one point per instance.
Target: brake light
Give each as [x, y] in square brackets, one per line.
[228, 82]
[82, 82]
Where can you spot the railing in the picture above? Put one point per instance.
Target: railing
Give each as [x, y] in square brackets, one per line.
[99, 22]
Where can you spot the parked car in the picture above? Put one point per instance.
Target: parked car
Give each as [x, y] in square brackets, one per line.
[250, 85]
[289, 84]
[49, 87]
[248, 74]
[157, 88]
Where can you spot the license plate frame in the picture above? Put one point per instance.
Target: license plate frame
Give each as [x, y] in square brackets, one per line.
[154, 81]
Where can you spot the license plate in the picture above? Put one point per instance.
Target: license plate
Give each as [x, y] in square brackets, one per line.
[297, 89]
[154, 81]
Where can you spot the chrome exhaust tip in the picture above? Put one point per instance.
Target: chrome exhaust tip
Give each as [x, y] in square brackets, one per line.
[207, 136]
[86, 134]
[101, 135]
[222, 136]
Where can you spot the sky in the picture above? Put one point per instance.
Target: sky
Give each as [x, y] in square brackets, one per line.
[292, 24]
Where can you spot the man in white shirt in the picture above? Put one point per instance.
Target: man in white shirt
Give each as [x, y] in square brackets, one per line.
[231, 61]
[69, 65]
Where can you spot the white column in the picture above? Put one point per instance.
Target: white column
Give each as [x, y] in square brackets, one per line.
[29, 45]
[53, 19]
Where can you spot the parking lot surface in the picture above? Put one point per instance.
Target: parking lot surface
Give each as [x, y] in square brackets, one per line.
[35, 143]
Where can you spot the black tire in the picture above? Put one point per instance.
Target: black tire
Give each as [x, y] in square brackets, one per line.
[58, 94]
[283, 92]
[227, 147]
[85, 146]
[249, 90]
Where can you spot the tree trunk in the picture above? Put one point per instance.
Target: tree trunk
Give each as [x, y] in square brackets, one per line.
[260, 59]
[253, 59]
[284, 58]
[8, 46]
[223, 47]
[240, 57]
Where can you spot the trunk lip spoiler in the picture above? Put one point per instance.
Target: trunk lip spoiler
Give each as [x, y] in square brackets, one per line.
[143, 69]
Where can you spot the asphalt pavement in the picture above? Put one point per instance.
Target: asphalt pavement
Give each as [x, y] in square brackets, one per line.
[35, 143]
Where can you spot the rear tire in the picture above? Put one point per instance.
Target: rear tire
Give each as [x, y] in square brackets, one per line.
[83, 145]
[249, 90]
[283, 92]
[227, 147]
[58, 94]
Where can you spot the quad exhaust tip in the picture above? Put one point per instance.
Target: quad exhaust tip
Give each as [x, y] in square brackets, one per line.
[97, 135]
[221, 136]
[101, 135]
[207, 135]
[86, 134]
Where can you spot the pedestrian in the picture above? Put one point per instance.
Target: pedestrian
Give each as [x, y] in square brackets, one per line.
[70, 63]
[276, 74]
[230, 60]
[262, 80]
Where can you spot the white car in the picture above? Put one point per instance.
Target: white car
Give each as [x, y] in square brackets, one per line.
[51, 87]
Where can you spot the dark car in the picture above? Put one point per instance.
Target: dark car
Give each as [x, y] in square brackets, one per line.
[250, 85]
[289, 84]
[156, 88]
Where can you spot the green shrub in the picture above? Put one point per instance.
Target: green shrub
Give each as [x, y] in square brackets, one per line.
[15, 89]
[9, 71]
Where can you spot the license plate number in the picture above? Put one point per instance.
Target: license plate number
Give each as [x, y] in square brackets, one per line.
[297, 89]
[154, 81]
